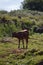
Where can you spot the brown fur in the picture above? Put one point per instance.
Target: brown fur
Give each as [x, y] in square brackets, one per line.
[21, 36]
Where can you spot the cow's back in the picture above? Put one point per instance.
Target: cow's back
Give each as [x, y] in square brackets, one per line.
[23, 34]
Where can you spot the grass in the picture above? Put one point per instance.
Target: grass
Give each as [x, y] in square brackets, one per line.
[11, 55]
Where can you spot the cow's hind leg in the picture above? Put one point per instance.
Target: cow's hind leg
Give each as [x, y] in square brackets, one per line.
[19, 44]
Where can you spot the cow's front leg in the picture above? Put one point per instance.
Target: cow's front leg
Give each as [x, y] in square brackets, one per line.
[23, 42]
[26, 43]
[19, 44]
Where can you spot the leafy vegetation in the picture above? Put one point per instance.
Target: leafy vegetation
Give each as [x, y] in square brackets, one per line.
[33, 5]
[19, 19]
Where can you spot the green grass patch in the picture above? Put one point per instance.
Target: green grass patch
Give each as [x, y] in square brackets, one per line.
[10, 55]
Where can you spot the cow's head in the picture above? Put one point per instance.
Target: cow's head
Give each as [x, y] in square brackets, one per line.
[14, 34]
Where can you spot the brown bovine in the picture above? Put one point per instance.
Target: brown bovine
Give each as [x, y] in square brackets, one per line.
[21, 36]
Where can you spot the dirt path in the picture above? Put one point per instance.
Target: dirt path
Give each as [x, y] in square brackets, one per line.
[13, 51]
